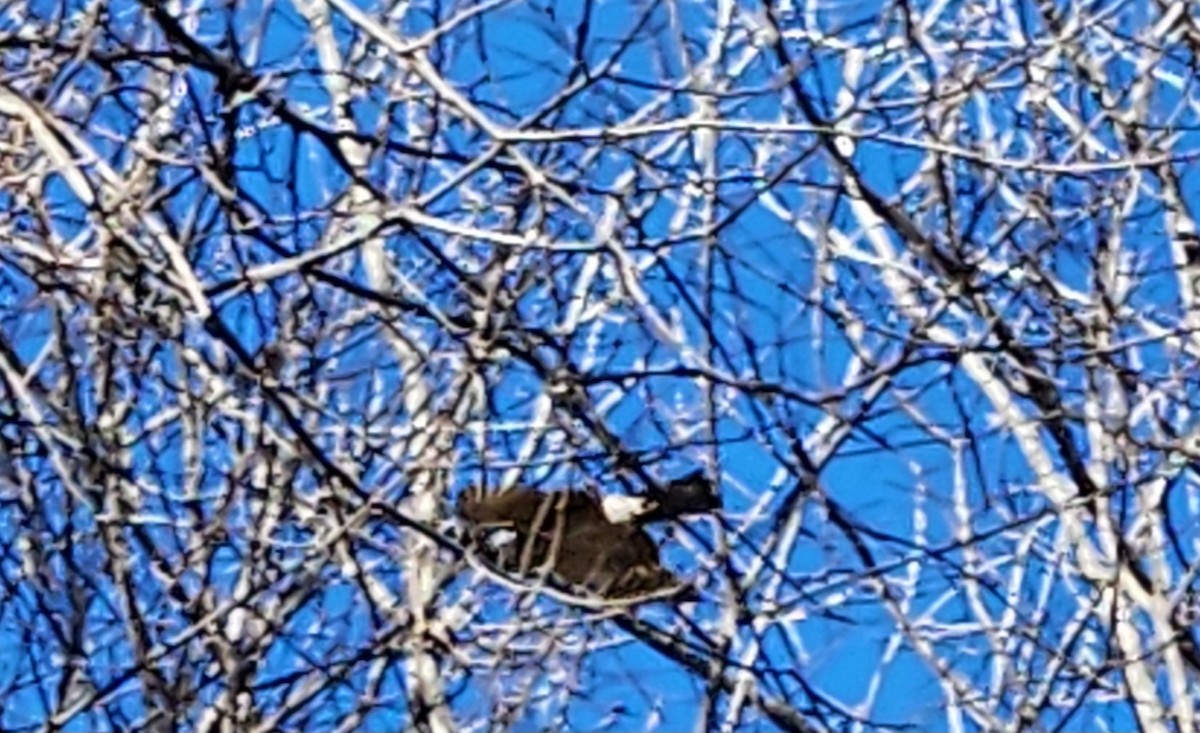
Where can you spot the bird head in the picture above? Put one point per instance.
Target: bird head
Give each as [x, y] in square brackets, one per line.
[695, 493]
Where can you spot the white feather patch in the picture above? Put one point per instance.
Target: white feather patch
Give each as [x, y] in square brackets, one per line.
[623, 509]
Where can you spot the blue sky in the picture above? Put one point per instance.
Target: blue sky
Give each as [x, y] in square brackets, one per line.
[773, 322]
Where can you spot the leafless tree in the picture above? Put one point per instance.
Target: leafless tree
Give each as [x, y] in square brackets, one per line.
[280, 281]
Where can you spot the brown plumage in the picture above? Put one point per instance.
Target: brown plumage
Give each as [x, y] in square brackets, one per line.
[571, 533]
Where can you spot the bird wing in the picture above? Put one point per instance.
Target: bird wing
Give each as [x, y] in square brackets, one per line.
[613, 560]
[516, 506]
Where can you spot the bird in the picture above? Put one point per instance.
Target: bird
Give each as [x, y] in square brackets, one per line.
[597, 544]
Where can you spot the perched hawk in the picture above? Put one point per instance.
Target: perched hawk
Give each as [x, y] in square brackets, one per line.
[597, 544]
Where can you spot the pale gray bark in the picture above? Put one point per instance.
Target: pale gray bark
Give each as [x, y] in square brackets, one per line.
[916, 279]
